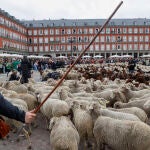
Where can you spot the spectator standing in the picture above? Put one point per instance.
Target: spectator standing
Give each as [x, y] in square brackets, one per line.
[131, 65]
[25, 69]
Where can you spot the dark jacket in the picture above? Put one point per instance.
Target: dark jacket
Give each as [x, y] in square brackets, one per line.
[11, 111]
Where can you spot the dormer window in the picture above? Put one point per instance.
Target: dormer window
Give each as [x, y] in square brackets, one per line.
[52, 24]
[30, 25]
[85, 23]
[134, 23]
[123, 23]
[96, 23]
[63, 24]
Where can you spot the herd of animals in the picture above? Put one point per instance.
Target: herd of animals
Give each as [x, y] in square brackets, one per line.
[95, 107]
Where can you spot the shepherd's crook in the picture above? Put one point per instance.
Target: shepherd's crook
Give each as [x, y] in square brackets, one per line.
[64, 76]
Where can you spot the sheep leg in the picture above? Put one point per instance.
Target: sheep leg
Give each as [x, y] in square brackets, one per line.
[47, 121]
[28, 137]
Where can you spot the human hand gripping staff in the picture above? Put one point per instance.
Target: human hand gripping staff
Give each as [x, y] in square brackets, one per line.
[11, 111]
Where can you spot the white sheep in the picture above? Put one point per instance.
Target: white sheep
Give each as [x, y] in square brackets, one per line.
[83, 122]
[136, 103]
[64, 135]
[121, 134]
[140, 113]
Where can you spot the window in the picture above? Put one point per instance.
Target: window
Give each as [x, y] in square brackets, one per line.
[52, 48]
[46, 32]
[130, 46]
[46, 40]
[102, 39]
[108, 47]
[46, 48]
[29, 32]
[90, 38]
[41, 48]
[35, 48]
[91, 31]
[68, 31]
[146, 38]
[96, 30]
[62, 47]
[141, 46]
[146, 46]
[130, 38]
[135, 30]
[107, 30]
[118, 47]
[51, 39]
[141, 30]
[73, 31]
[113, 39]
[124, 30]
[57, 31]
[68, 47]
[51, 31]
[97, 39]
[107, 38]
[35, 40]
[124, 46]
[113, 47]
[80, 39]
[135, 46]
[119, 30]
[96, 47]
[141, 38]
[91, 48]
[130, 30]
[40, 32]
[57, 39]
[85, 39]
[135, 39]
[79, 47]
[124, 38]
[40, 40]
[85, 31]
[63, 39]
[147, 30]
[102, 47]
[30, 48]
[62, 31]
[80, 31]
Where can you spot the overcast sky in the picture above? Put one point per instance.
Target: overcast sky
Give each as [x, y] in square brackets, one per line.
[75, 9]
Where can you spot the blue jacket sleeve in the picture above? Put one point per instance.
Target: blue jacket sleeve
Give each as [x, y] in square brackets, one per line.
[11, 111]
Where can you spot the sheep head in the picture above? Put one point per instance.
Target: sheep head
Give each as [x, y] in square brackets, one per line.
[117, 105]
[53, 122]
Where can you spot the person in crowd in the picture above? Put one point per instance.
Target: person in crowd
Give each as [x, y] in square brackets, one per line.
[25, 69]
[8, 66]
[131, 65]
[14, 75]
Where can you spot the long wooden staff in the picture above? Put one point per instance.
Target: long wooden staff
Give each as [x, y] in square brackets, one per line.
[64, 76]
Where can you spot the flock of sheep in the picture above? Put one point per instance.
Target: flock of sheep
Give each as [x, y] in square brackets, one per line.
[95, 114]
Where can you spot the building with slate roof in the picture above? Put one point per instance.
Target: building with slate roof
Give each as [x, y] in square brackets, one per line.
[68, 37]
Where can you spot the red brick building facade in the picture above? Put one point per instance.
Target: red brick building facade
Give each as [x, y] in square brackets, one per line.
[70, 37]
